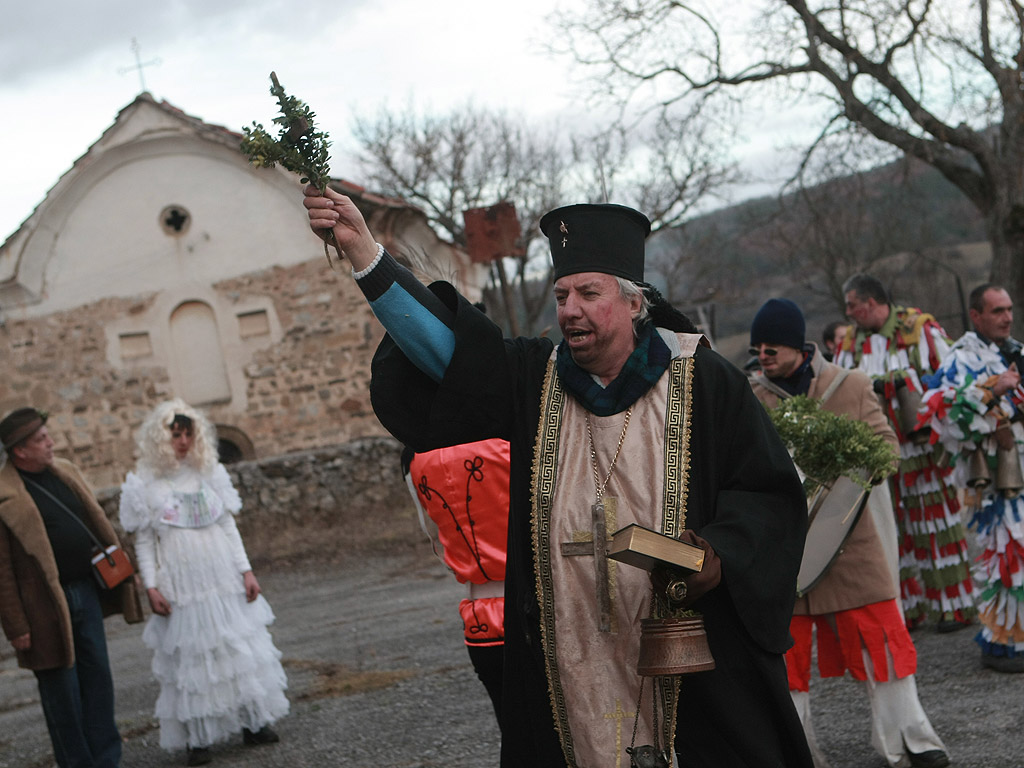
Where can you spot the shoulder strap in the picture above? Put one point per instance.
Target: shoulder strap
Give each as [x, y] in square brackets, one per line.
[841, 374]
[64, 506]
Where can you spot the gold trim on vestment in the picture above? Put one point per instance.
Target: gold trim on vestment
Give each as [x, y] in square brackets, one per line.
[677, 447]
[545, 465]
[678, 415]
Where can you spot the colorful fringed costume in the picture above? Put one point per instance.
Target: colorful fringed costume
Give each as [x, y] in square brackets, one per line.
[909, 345]
[965, 415]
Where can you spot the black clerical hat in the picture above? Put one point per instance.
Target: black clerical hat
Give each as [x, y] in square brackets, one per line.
[597, 237]
[20, 424]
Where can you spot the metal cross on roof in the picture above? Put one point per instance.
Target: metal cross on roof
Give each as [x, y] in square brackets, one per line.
[139, 64]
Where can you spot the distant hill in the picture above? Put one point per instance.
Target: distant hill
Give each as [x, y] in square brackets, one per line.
[902, 222]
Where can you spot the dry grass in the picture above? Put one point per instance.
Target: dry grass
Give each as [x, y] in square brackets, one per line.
[329, 680]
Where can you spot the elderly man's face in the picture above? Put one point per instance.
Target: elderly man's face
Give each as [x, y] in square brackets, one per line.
[35, 452]
[995, 321]
[596, 322]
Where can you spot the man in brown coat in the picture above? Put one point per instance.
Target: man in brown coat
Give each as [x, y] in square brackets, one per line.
[51, 608]
[853, 607]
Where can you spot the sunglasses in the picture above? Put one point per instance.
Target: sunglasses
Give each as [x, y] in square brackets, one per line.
[756, 351]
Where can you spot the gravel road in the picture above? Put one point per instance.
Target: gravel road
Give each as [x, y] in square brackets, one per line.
[378, 677]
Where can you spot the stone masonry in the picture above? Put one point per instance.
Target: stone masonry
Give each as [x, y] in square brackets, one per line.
[319, 503]
[308, 390]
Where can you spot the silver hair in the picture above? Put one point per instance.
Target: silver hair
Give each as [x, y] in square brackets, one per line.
[628, 290]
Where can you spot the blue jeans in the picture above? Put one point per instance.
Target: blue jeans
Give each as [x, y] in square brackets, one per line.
[79, 702]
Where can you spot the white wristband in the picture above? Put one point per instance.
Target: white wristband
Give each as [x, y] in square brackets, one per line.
[369, 268]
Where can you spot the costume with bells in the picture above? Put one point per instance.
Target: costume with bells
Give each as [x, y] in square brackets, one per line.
[909, 345]
[972, 422]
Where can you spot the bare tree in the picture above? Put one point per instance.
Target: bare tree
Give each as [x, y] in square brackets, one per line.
[938, 80]
[469, 158]
[475, 157]
[845, 222]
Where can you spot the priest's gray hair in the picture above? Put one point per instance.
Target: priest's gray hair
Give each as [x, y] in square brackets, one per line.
[627, 290]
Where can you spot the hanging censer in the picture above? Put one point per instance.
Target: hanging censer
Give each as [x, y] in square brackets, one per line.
[673, 641]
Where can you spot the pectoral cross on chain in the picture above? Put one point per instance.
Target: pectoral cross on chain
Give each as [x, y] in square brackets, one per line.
[597, 548]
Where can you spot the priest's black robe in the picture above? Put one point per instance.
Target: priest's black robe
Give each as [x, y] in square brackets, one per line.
[744, 498]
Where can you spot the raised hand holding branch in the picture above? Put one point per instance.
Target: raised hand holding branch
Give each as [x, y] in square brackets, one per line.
[334, 213]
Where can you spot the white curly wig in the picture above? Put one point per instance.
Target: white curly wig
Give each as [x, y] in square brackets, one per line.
[154, 439]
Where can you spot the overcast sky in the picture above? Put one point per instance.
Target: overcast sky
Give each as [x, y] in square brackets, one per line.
[66, 68]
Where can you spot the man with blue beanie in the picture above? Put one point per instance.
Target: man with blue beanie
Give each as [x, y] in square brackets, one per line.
[853, 607]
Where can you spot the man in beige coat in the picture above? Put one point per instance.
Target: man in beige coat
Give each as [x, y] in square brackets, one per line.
[853, 607]
[51, 608]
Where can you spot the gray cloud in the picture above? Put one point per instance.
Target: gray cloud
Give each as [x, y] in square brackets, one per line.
[42, 36]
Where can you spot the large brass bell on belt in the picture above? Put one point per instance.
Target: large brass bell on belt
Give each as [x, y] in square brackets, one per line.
[673, 646]
[909, 401]
[978, 475]
[1008, 475]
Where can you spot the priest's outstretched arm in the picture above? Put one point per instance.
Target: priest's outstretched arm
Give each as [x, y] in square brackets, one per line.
[417, 320]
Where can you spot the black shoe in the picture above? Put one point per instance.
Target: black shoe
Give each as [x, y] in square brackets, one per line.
[1003, 663]
[933, 758]
[263, 736]
[948, 622]
[198, 756]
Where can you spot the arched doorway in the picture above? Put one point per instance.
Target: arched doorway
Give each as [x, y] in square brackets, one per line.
[199, 371]
[233, 445]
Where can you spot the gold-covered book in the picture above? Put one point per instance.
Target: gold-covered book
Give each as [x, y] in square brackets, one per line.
[647, 549]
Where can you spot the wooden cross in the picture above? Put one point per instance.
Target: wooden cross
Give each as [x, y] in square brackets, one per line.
[599, 533]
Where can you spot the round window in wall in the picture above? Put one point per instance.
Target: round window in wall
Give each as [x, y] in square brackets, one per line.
[175, 220]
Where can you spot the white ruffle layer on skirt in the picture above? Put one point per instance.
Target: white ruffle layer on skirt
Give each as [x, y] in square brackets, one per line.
[213, 656]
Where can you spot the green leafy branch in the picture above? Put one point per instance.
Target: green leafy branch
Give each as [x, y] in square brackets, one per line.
[826, 445]
[299, 147]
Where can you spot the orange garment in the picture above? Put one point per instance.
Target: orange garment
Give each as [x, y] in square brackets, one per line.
[876, 627]
[464, 489]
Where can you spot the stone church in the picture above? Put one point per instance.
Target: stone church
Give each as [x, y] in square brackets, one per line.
[162, 264]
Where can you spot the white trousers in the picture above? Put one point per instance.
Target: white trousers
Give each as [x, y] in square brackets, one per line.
[898, 722]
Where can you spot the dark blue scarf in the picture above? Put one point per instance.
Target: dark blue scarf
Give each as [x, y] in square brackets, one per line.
[641, 371]
[799, 381]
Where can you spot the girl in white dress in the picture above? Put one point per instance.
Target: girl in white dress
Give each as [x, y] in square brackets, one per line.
[213, 656]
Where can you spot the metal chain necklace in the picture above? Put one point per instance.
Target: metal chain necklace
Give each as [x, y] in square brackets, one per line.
[598, 485]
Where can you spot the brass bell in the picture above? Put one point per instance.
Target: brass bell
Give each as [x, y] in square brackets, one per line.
[909, 401]
[978, 475]
[1008, 475]
[673, 647]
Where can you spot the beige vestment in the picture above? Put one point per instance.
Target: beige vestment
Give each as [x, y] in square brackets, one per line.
[592, 675]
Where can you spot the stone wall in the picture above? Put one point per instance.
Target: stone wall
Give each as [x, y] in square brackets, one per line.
[59, 363]
[305, 388]
[311, 389]
[328, 503]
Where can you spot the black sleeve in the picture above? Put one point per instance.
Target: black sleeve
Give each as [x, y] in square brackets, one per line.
[481, 390]
[748, 501]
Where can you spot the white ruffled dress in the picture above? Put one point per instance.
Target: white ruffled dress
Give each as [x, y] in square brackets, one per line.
[213, 656]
